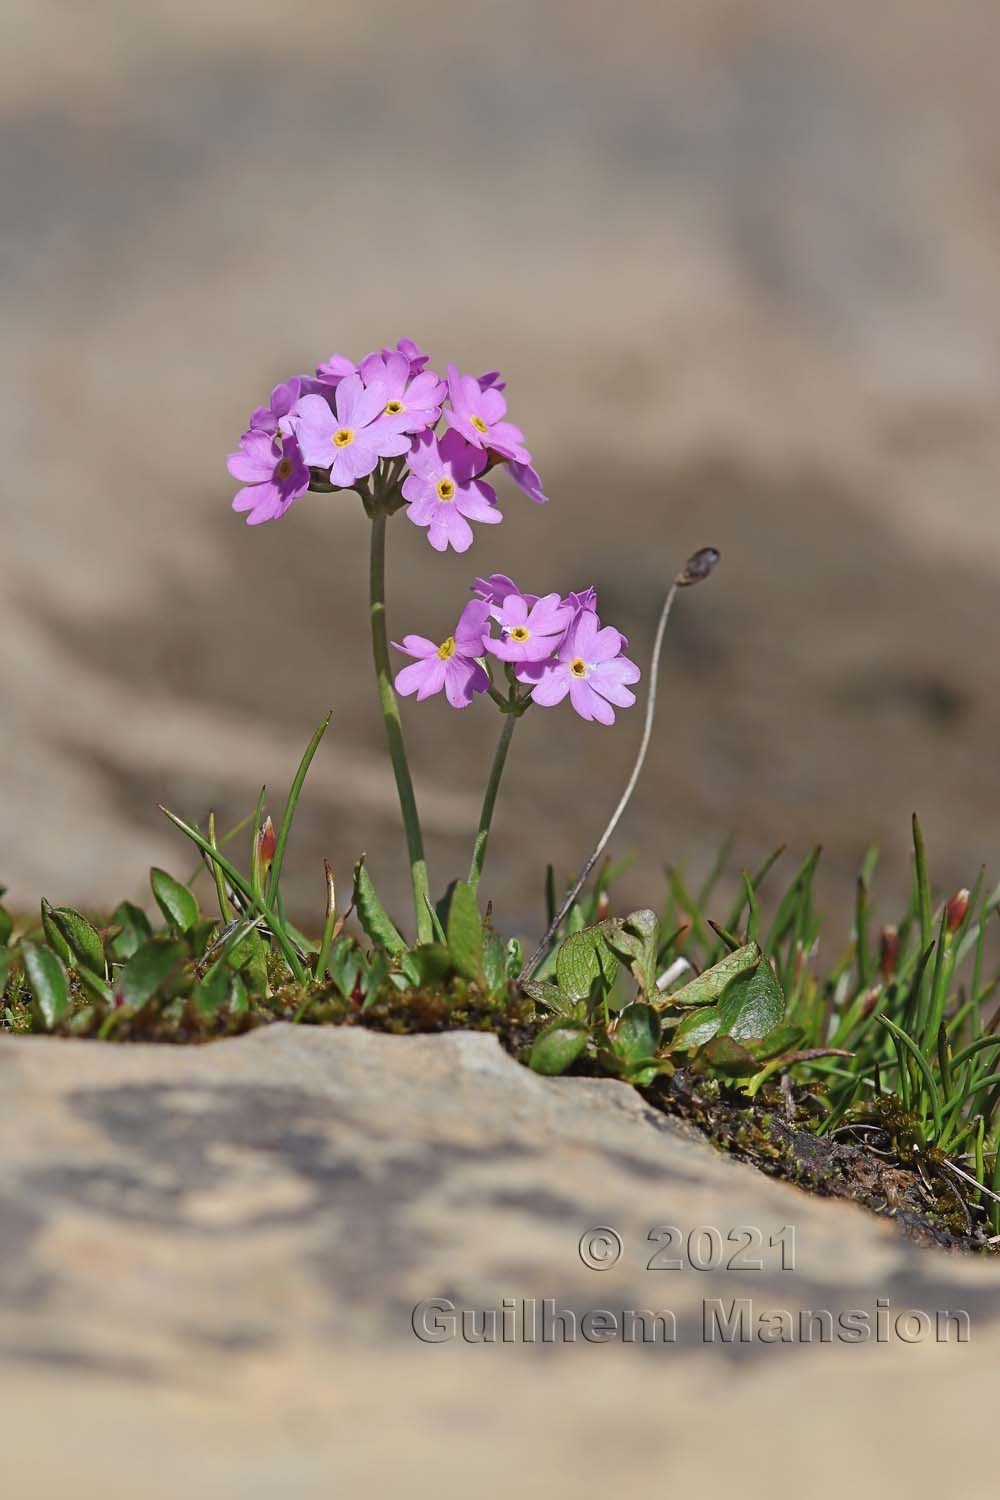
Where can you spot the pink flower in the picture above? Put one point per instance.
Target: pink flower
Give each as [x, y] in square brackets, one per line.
[452, 665]
[274, 417]
[273, 475]
[413, 401]
[350, 441]
[526, 478]
[444, 493]
[496, 587]
[529, 632]
[589, 667]
[479, 415]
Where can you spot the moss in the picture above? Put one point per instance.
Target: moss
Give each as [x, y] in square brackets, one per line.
[903, 1182]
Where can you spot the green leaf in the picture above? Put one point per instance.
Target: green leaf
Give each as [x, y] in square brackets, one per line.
[344, 964]
[427, 965]
[543, 992]
[465, 932]
[781, 1039]
[710, 986]
[514, 958]
[135, 929]
[372, 914]
[6, 926]
[48, 981]
[373, 977]
[239, 1001]
[494, 962]
[725, 1055]
[583, 961]
[288, 816]
[697, 1027]
[152, 970]
[83, 942]
[642, 1074]
[249, 958]
[637, 1034]
[94, 985]
[557, 1047]
[6, 962]
[636, 938]
[212, 992]
[753, 1004]
[175, 901]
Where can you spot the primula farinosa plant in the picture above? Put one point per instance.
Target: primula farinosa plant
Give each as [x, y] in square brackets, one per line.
[401, 438]
[892, 1055]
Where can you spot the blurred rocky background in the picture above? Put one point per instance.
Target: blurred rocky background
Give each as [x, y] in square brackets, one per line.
[740, 263]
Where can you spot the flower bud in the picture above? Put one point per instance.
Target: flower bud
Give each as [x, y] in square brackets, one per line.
[603, 906]
[954, 912]
[267, 843]
[870, 1001]
[698, 566]
[888, 953]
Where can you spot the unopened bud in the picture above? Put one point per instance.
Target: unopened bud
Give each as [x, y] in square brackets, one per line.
[870, 1001]
[954, 912]
[698, 566]
[603, 906]
[267, 842]
[888, 953]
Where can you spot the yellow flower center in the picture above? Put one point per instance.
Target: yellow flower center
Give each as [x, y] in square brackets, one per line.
[578, 667]
[284, 468]
[479, 424]
[520, 633]
[343, 437]
[447, 648]
[393, 408]
[445, 489]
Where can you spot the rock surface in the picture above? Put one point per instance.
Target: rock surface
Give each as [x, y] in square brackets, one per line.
[210, 1260]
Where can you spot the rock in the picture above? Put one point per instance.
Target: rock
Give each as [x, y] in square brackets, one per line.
[210, 1260]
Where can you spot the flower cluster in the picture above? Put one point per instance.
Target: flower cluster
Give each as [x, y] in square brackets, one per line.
[550, 646]
[333, 430]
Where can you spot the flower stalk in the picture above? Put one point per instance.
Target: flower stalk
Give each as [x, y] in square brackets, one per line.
[697, 568]
[490, 797]
[394, 729]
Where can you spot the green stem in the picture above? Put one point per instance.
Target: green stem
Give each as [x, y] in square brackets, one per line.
[394, 731]
[489, 799]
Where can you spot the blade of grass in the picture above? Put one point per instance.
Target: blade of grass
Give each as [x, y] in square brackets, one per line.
[909, 1045]
[288, 816]
[923, 886]
[240, 884]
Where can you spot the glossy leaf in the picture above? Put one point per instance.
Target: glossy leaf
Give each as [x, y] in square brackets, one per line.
[135, 929]
[175, 901]
[465, 932]
[583, 961]
[637, 1034]
[557, 1047]
[543, 992]
[48, 982]
[82, 942]
[427, 965]
[636, 938]
[494, 962]
[372, 915]
[709, 987]
[724, 1055]
[753, 1004]
[697, 1027]
[152, 970]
